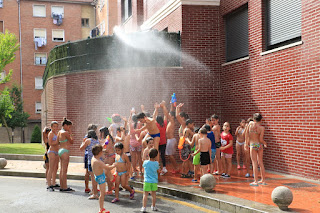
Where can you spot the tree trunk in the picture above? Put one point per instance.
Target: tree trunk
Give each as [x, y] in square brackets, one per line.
[6, 125]
[12, 135]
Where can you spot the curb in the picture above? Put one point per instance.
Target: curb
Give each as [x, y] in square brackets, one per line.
[5, 172]
[73, 159]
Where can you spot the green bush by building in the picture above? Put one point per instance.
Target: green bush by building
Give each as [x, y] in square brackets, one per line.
[36, 135]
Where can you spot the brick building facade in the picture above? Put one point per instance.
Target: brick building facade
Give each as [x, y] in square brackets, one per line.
[40, 22]
[280, 81]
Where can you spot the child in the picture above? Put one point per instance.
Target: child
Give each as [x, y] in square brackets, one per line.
[91, 141]
[99, 169]
[216, 131]
[151, 170]
[45, 134]
[146, 151]
[210, 135]
[226, 150]
[246, 148]
[254, 136]
[53, 156]
[240, 144]
[122, 164]
[205, 150]
[186, 150]
[196, 157]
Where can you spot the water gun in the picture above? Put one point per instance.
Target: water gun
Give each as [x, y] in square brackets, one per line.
[173, 99]
[107, 142]
[109, 119]
[181, 142]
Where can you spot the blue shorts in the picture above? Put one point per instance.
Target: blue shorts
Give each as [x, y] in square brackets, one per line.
[213, 154]
[100, 179]
[86, 160]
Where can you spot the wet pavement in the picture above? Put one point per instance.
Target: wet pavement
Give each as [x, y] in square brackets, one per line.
[306, 192]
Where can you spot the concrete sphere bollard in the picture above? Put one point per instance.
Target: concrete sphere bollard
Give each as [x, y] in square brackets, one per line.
[282, 197]
[3, 163]
[208, 182]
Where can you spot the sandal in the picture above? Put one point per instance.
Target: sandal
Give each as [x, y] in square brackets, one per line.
[87, 190]
[93, 197]
[253, 184]
[103, 211]
[132, 194]
[109, 192]
[115, 200]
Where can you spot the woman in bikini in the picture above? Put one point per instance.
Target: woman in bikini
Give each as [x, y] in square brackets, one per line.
[65, 139]
[254, 138]
[240, 144]
[53, 156]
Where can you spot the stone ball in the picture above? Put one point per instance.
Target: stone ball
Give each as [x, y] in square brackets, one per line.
[282, 197]
[208, 182]
[3, 163]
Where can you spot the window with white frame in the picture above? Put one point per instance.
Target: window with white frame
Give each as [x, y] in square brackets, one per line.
[2, 75]
[38, 83]
[40, 58]
[40, 33]
[57, 10]
[283, 22]
[38, 107]
[58, 35]
[1, 3]
[126, 9]
[39, 10]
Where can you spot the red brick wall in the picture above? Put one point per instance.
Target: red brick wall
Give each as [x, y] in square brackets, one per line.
[284, 87]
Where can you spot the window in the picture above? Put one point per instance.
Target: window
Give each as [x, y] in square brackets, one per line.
[57, 10]
[38, 107]
[40, 33]
[40, 58]
[38, 83]
[58, 35]
[283, 22]
[237, 36]
[1, 26]
[1, 3]
[39, 10]
[2, 75]
[126, 9]
[85, 22]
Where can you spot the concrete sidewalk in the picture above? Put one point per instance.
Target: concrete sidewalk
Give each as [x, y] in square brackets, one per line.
[232, 195]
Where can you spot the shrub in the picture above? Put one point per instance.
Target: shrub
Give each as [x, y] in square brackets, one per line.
[36, 135]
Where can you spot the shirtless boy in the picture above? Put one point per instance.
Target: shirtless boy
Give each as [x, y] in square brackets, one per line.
[205, 150]
[196, 157]
[216, 131]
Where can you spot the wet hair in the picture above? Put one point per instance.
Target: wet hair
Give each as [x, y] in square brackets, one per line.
[249, 119]
[203, 131]
[208, 119]
[92, 127]
[160, 120]
[207, 127]
[196, 129]
[173, 113]
[96, 149]
[141, 115]
[116, 118]
[54, 122]
[149, 139]
[135, 121]
[92, 134]
[118, 146]
[188, 121]
[230, 131]
[47, 130]
[184, 115]
[257, 117]
[153, 153]
[215, 116]
[105, 132]
[66, 122]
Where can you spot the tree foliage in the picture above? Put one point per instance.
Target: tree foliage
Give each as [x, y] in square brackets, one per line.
[6, 108]
[8, 46]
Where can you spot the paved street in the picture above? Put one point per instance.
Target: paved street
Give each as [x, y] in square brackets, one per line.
[18, 194]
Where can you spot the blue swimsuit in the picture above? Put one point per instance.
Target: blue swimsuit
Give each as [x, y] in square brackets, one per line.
[120, 161]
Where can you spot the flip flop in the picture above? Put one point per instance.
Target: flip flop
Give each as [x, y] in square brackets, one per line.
[103, 211]
[115, 200]
[263, 184]
[253, 184]
[132, 194]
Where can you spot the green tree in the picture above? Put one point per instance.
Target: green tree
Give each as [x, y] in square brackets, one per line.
[8, 46]
[36, 135]
[6, 108]
[18, 118]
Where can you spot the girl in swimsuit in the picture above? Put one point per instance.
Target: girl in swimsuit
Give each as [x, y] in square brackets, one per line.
[53, 156]
[65, 139]
[135, 144]
[122, 164]
[240, 144]
[45, 133]
[254, 136]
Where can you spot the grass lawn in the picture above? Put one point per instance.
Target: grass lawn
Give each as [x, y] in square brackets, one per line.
[22, 148]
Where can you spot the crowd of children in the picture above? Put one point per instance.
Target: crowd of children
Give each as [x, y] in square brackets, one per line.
[140, 144]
